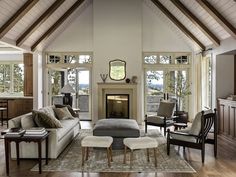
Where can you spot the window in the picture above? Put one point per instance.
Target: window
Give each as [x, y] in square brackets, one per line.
[12, 78]
[72, 68]
[65, 58]
[166, 73]
[206, 82]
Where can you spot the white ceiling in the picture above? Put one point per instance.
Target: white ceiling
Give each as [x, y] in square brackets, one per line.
[225, 7]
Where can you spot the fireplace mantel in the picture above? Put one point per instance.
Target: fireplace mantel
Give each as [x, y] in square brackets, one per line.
[117, 88]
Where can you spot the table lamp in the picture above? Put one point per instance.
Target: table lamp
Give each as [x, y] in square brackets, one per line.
[67, 90]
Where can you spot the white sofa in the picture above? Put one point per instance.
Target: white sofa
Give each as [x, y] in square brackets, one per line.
[59, 138]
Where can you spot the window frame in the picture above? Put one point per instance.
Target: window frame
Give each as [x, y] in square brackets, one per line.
[173, 66]
[11, 89]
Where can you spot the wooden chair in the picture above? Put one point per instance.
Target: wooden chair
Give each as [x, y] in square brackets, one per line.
[164, 117]
[196, 136]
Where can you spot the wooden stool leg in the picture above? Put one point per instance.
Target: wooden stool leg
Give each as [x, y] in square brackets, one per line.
[111, 153]
[148, 159]
[87, 153]
[131, 158]
[108, 157]
[155, 157]
[83, 148]
[125, 155]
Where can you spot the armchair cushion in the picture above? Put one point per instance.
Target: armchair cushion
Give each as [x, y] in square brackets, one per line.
[166, 109]
[157, 120]
[183, 137]
[196, 125]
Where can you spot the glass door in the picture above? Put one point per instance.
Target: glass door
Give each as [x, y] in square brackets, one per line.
[79, 79]
[154, 90]
[160, 82]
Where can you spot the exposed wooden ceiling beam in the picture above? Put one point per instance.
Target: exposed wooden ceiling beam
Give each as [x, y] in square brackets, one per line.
[218, 17]
[57, 23]
[39, 22]
[196, 21]
[17, 16]
[178, 24]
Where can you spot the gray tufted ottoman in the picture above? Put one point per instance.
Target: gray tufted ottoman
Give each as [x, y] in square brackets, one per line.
[118, 129]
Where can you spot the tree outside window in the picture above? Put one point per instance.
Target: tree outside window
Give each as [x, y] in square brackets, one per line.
[11, 78]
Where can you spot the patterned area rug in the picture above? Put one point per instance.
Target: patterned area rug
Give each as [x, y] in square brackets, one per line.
[70, 159]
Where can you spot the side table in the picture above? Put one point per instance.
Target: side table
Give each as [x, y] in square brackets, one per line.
[17, 140]
[181, 120]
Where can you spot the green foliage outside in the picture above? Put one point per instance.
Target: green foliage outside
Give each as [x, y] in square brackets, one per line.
[18, 76]
[178, 86]
[12, 76]
[56, 84]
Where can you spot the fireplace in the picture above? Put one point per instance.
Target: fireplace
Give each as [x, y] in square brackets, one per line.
[114, 89]
[117, 106]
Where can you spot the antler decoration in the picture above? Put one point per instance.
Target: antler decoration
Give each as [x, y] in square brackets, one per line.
[103, 77]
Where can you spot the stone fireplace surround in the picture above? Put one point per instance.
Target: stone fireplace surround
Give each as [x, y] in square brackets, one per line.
[117, 88]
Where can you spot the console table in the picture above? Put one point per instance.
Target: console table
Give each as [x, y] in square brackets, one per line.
[17, 140]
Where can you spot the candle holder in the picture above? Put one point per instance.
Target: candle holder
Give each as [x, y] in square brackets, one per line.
[103, 77]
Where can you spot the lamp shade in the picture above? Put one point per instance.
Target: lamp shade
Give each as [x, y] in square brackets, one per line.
[67, 89]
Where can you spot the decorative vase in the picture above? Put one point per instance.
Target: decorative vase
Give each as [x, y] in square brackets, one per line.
[134, 79]
[127, 80]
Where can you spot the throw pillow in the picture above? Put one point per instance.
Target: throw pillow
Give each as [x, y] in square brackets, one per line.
[63, 113]
[46, 120]
[69, 108]
[27, 122]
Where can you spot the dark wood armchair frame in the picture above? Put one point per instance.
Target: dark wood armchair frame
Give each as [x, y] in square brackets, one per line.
[207, 121]
[165, 123]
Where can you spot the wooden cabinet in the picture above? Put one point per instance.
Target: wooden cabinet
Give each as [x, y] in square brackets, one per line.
[227, 118]
[17, 107]
[28, 74]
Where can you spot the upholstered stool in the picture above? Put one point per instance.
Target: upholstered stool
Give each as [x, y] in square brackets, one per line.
[118, 129]
[98, 142]
[140, 143]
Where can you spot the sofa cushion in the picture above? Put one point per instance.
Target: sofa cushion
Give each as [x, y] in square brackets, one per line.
[48, 110]
[69, 108]
[45, 119]
[27, 121]
[67, 124]
[63, 113]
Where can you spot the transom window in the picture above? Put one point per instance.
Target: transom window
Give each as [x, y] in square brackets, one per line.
[64, 58]
[166, 58]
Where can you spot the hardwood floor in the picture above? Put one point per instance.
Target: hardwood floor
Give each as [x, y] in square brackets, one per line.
[223, 166]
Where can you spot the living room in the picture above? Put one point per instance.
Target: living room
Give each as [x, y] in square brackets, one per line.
[79, 48]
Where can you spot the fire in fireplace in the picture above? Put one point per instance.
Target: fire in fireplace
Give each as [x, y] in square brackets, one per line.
[117, 106]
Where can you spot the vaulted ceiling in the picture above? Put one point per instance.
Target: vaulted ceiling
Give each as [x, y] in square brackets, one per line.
[31, 24]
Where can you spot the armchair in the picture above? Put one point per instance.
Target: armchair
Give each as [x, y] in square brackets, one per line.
[196, 136]
[163, 118]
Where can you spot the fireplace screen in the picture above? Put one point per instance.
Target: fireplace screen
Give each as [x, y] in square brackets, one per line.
[117, 106]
